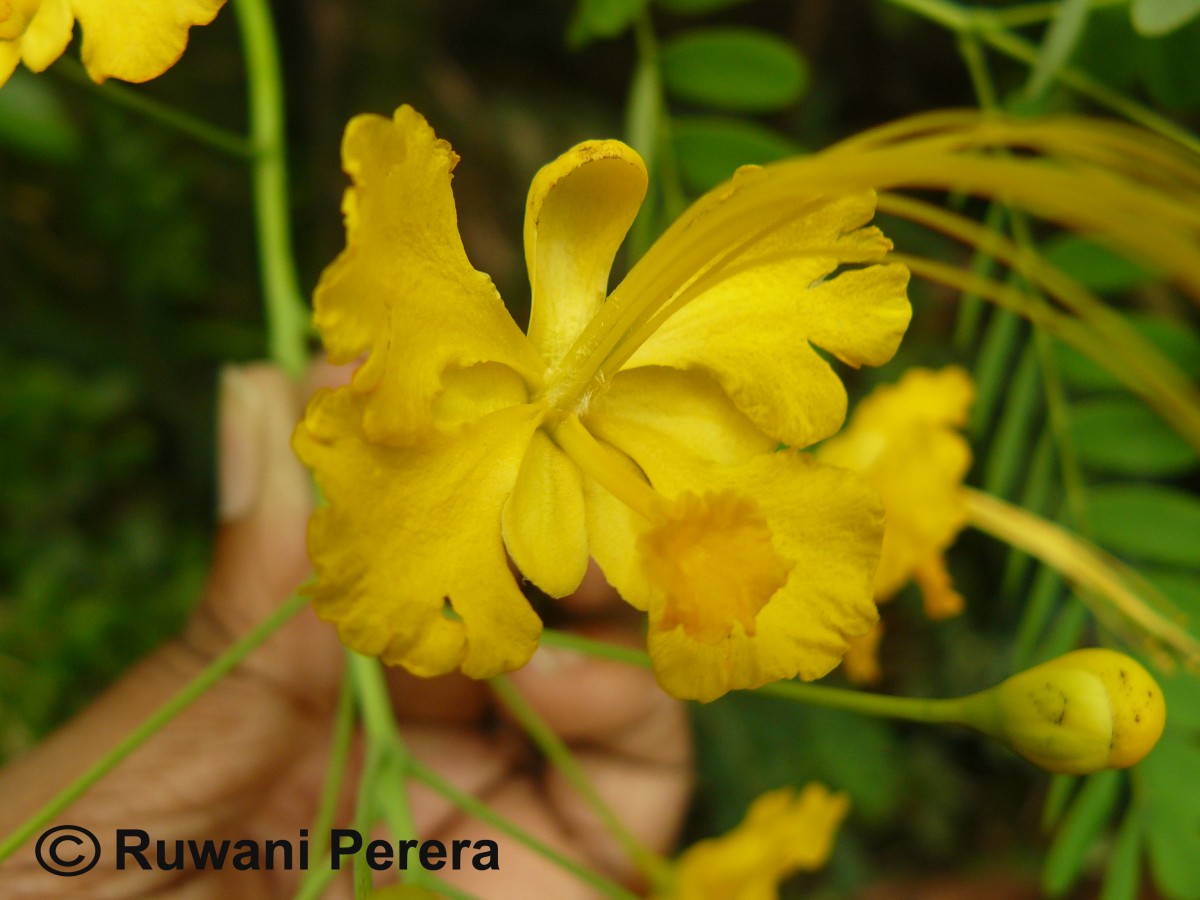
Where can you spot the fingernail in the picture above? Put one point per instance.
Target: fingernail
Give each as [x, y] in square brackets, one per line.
[287, 486]
[240, 458]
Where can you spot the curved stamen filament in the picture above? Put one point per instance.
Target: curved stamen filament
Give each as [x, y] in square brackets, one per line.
[610, 470]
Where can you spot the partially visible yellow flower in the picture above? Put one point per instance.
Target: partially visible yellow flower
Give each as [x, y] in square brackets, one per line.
[903, 438]
[134, 40]
[783, 833]
[640, 429]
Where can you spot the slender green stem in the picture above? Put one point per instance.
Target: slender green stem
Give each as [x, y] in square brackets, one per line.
[1015, 431]
[287, 317]
[560, 756]
[1111, 588]
[977, 69]
[1085, 85]
[648, 126]
[168, 116]
[214, 672]
[971, 306]
[911, 709]
[643, 113]
[365, 815]
[990, 29]
[1040, 608]
[1031, 13]
[383, 736]
[1035, 497]
[318, 877]
[475, 807]
[598, 649]
[1056, 399]
[944, 13]
[390, 763]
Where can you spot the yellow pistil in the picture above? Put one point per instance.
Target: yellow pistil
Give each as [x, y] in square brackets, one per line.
[610, 470]
[714, 561]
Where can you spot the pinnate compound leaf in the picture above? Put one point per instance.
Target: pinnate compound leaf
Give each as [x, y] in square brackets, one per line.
[1089, 812]
[1124, 437]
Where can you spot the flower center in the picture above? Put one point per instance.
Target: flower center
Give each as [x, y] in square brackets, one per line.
[712, 556]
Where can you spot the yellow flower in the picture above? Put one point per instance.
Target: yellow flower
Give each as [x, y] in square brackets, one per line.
[640, 429]
[783, 833]
[902, 438]
[134, 40]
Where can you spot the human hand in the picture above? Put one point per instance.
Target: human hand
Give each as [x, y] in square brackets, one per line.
[247, 761]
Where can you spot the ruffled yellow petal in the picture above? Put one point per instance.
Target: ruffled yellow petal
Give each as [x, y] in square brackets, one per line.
[136, 40]
[902, 439]
[576, 216]
[784, 832]
[476, 391]
[409, 561]
[48, 34]
[15, 16]
[688, 406]
[861, 663]
[403, 289]
[10, 55]
[753, 324]
[824, 521]
[543, 521]
[942, 601]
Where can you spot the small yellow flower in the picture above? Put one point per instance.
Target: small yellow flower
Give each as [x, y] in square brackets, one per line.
[783, 833]
[903, 439]
[134, 40]
[640, 428]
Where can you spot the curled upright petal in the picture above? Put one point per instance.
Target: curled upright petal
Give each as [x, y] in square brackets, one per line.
[762, 306]
[403, 290]
[824, 522]
[48, 34]
[902, 439]
[576, 216]
[10, 56]
[136, 40]
[409, 561]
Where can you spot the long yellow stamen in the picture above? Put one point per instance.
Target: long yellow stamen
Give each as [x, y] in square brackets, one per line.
[1093, 179]
[711, 555]
[1176, 402]
[1108, 585]
[609, 469]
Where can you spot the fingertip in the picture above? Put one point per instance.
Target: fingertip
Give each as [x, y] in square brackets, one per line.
[585, 698]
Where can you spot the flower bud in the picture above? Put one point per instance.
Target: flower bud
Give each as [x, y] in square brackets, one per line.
[1084, 711]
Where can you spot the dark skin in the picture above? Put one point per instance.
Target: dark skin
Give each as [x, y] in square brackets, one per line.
[249, 758]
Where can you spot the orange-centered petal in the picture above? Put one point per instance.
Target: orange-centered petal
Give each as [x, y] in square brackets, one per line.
[714, 561]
